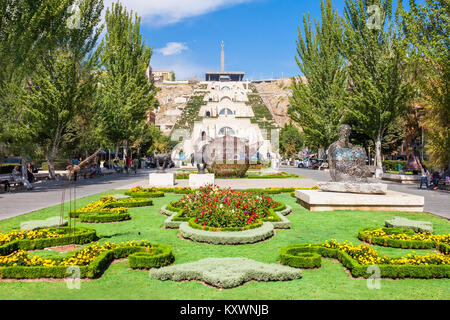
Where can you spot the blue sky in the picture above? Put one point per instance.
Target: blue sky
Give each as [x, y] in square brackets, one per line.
[260, 35]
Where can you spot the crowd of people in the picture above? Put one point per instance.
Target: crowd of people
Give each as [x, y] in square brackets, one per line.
[432, 180]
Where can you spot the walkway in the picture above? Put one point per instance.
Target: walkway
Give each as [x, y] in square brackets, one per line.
[50, 193]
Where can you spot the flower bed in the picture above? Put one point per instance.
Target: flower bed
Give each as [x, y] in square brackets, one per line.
[92, 260]
[358, 258]
[139, 192]
[405, 238]
[109, 209]
[224, 208]
[44, 238]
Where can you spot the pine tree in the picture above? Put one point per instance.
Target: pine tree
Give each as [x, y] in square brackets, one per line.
[125, 95]
[319, 104]
[377, 56]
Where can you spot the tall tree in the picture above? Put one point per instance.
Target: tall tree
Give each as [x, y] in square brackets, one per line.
[377, 67]
[125, 94]
[427, 28]
[291, 140]
[63, 84]
[318, 104]
[28, 29]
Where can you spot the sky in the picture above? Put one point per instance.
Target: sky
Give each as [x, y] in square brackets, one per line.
[260, 35]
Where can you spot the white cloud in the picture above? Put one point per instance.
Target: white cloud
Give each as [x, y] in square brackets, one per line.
[164, 12]
[172, 48]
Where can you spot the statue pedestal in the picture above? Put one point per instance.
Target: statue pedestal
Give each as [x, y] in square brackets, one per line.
[314, 200]
[200, 180]
[353, 187]
[160, 180]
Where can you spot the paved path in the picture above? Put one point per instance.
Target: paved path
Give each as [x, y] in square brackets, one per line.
[436, 201]
[49, 194]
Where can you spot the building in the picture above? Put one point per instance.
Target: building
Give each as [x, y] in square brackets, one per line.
[226, 113]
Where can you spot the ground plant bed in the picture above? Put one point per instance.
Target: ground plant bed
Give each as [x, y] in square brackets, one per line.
[117, 280]
[109, 209]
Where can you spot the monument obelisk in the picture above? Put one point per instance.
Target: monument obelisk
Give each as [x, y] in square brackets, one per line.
[222, 58]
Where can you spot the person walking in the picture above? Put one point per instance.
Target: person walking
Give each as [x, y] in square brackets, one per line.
[424, 177]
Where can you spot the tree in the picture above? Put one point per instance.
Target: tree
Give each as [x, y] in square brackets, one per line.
[172, 76]
[319, 103]
[63, 84]
[291, 140]
[125, 95]
[427, 29]
[28, 31]
[377, 56]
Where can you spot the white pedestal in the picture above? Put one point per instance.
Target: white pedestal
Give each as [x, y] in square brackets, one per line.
[330, 201]
[200, 180]
[160, 180]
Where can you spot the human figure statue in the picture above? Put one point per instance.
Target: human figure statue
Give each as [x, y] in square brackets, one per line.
[347, 162]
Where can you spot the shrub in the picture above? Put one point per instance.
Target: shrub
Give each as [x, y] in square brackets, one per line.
[227, 170]
[391, 165]
[157, 257]
[66, 235]
[429, 266]
[298, 257]
[92, 260]
[59, 165]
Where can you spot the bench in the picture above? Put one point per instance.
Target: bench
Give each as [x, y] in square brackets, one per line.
[8, 180]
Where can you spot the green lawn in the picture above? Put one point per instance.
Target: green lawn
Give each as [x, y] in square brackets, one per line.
[329, 282]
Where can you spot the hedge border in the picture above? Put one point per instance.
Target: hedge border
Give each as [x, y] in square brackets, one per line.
[295, 257]
[227, 238]
[162, 256]
[94, 270]
[82, 236]
[387, 270]
[138, 195]
[197, 226]
[108, 217]
[404, 244]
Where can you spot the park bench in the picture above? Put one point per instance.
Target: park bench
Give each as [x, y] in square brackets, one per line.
[13, 185]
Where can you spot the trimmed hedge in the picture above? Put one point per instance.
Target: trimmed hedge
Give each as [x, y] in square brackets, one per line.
[357, 270]
[156, 194]
[396, 243]
[103, 217]
[227, 238]
[157, 257]
[82, 236]
[298, 257]
[95, 269]
[194, 225]
[136, 203]
[107, 217]
[391, 165]
[59, 165]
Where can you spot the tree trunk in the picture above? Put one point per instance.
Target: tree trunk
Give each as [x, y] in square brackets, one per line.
[51, 165]
[378, 160]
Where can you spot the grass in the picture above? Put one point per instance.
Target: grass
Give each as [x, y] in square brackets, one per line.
[329, 282]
